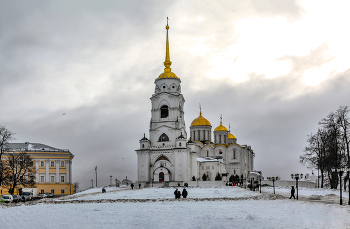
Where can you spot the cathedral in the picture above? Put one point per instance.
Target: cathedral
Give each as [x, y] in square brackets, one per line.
[170, 156]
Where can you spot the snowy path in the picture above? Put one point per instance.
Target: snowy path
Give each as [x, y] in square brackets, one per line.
[223, 207]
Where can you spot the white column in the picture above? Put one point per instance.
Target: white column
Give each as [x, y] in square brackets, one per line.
[67, 171]
[47, 171]
[58, 179]
[37, 171]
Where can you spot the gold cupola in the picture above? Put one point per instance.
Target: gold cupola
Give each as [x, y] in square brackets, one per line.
[200, 121]
[221, 127]
[167, 63]
[231, 136]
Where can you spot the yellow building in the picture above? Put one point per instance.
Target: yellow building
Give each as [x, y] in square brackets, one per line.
[53, 167]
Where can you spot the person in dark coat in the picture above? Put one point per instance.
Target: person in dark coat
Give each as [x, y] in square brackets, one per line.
[139, 186]
[178, 194]
[175, 193]
[132, 186]
[103, 190]
[184, 193]
[292, 191]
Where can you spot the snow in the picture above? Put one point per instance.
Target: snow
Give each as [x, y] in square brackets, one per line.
[220, 207]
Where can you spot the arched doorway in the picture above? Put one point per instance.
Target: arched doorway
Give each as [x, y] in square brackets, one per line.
[161, 177]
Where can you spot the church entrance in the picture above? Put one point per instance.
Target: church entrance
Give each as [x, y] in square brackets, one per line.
[161, 177]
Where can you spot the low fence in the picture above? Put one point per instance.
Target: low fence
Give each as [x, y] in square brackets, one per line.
[282, 183]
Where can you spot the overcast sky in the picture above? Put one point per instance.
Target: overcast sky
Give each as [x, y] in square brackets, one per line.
[272, 68]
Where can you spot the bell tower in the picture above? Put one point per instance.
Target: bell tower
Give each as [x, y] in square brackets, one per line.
[167, 122]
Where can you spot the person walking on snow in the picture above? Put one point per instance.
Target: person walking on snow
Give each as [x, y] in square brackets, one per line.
[175, 193]
[292, 191]
[184, 193]
[132, 186]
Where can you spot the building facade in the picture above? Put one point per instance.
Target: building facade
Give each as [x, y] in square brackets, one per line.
[167, 156]
[52, 167]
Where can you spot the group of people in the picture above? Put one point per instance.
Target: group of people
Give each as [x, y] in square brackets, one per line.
[178, 194]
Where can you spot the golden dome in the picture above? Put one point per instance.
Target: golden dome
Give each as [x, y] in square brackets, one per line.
[200, 121]
[221, 128]
[231, 136]
[167, 75]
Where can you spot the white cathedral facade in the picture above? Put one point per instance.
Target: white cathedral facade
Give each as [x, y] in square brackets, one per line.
[169, 156]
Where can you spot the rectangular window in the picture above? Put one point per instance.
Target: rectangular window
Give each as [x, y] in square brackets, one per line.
[52, 191]
[62, 191]
[42, 191]
[31, 177]
[207, 167]
[62, 178]
[212, 167]
[42, 163]
[52, 164]
[234, 171]
[62, 163]
[42, 178]
[225, 138]
[202, 167]
[31, 163]
[52, 178]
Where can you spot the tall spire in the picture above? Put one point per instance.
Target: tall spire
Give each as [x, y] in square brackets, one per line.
[167, 61]
[200, 109]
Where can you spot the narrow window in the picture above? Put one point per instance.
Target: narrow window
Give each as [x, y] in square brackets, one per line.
[225, 138]
[234, 154]
[31, 177]
[215, 139]
[52, 191]
[220, 139]
[42, 178]
[180, 144]
[52, 179]
[199, 135]
[234, 171]
[62, 178]
[42, 191]
[52, 163]
[62, 191]
[207, 153]
[143, 145]
[164, 111]
[194, 135]
[62, 163]
[42, 163]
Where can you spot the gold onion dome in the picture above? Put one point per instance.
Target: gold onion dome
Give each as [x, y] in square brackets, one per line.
[231, 136]
[200, 121]
[221, 128]
[167, 70]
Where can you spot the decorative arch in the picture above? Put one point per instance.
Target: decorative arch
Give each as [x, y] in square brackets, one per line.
[163, 138]
[162, 157]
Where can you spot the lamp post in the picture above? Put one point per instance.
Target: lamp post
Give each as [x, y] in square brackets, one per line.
[340, 171]
[92, 183]
[260, 181]
[273, 182]
[296, 177]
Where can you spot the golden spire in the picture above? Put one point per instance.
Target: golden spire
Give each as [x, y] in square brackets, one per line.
[167, 61]
[167, 70]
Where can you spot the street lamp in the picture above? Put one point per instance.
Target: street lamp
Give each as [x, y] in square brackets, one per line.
[273, 182]
[340, 171]
[296, 177]
[260, 180]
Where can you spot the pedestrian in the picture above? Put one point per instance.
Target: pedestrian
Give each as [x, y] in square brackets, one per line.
[184, 193]
[178, 194]
[139, 186]
[292, 191]
[132, 186]
[175, 194]
[103, 190]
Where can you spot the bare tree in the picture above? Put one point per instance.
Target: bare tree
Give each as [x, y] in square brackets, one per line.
[76, 187]
[5, 137]
[22, 171]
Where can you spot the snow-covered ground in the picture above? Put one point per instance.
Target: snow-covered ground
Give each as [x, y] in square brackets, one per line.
[221, 207]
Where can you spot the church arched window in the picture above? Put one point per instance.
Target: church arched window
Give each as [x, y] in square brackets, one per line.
[143, 145]
[164, 111]
[163, 138]
[180, 144]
